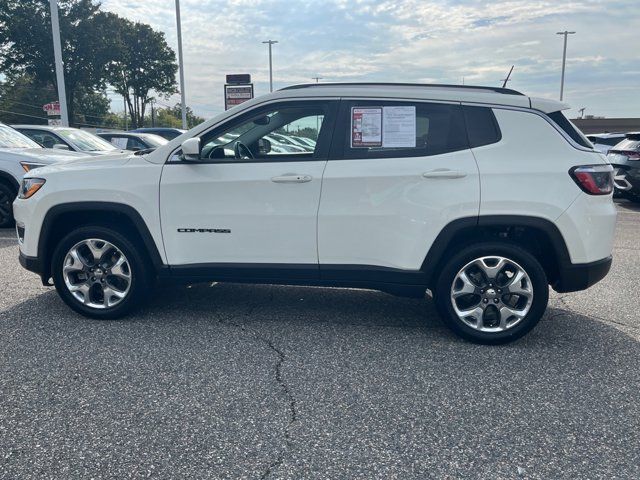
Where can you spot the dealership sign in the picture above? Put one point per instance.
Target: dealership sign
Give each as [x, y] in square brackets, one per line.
[237, 90]
[52, 108]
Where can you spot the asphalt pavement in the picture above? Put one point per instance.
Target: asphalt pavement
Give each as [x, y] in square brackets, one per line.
[242, 381]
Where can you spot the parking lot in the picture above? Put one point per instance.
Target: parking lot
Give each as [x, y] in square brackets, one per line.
[243, 381]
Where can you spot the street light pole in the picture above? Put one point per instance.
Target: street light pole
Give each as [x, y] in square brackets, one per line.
[57, 54]
[183, 102]
[564, 59]
[270, 42]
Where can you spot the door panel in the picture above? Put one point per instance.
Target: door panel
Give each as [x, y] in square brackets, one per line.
[253, 218]
[384, 211]
[385, 206]
[253, 196]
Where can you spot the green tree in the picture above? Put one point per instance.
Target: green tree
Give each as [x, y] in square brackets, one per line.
[26, 46]
[22, 98]
[144, 65]
[172, 117]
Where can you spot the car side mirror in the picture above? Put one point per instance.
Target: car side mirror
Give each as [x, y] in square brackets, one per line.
[264, 146]
[191, 150]
[60, 146]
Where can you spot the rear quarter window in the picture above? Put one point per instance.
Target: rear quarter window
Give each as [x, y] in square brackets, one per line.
[482, 126]
[561, 121]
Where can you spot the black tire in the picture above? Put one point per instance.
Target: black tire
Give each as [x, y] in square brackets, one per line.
[140, 272]
[7, 196]
[632, 196]
[524, 259]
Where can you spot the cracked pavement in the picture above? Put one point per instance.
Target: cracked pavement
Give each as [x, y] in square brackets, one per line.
[243, 381]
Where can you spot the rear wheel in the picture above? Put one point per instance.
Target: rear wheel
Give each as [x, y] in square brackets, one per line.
[99, 273]
[492, 293]
[7, 196]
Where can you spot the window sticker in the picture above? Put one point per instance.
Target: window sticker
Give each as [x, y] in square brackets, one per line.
[399, 127]
[366, 127]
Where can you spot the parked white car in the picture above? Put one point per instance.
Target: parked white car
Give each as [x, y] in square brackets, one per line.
[67, 138]
[482, 196]
[603, 142]
[19, 154]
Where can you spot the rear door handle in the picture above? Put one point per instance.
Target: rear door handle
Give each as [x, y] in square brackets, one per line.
[444, 173]
[292, 178]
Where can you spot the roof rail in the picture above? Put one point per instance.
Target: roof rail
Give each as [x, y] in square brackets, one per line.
[504, 91]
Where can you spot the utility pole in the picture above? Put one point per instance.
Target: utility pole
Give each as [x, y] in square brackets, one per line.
[153, 114]
[270, 42]
[183, 103]
[57, 54]
[564, 59]
[126, 126]
[317, 79]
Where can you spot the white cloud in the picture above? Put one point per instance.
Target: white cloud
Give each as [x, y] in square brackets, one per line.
[410, 40]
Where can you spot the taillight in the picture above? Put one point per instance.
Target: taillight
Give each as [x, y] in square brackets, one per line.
[593, 179]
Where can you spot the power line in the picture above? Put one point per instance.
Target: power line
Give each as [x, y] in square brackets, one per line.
[23, 114]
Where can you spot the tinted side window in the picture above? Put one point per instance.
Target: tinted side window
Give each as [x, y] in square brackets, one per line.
[384, 129]
[482, 126]
[134, 143]
[46, 139]
[560, 120]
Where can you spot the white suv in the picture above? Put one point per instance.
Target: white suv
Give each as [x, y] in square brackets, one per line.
[483, 196]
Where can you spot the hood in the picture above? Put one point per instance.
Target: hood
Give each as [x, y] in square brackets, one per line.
[39, 155]
[102, 153]
[85, 162]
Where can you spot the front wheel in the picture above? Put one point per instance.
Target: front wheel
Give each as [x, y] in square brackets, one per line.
[99, 273]
[492, 293]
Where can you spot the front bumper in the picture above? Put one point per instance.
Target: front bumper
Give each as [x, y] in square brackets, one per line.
[580, 276]
[32, 264]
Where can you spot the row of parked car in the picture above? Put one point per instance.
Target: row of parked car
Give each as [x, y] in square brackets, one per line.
[623, 152]
[25, 147]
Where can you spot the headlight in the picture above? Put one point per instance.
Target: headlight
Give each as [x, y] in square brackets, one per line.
[27, 166]
[30, 186]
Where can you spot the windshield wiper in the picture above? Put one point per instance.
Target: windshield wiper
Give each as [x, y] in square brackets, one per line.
[144, 152]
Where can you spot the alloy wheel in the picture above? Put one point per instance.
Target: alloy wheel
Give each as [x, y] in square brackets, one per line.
[97, 273]
[491, 294]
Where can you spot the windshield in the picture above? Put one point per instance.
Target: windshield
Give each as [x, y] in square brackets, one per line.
[154, 140]
[85, 141]
[10, 138]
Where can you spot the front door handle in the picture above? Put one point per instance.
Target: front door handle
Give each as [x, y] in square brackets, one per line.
[292, 178]
[444, 173]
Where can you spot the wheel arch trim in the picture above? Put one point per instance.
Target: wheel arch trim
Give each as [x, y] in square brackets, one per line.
[12, 181]
[55, 212]
[449, 232]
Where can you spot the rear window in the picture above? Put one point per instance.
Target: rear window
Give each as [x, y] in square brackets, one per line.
[628, 145]
[561, 121]
[384, 129]
[482, 126]
[611, 141]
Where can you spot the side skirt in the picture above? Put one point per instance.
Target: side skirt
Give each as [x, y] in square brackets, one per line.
[406, 283]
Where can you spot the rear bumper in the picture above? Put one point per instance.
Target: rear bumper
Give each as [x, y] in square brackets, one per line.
[580, 276]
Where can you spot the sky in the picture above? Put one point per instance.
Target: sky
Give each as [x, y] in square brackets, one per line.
[444, 41]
